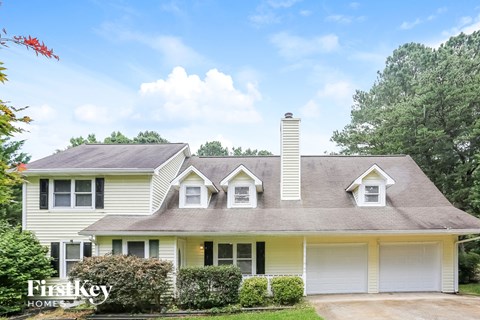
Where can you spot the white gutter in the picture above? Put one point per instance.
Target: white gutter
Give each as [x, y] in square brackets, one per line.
[85, 171]
[282, 233]
[467, 240]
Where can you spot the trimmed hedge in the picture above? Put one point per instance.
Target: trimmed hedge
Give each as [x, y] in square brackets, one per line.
[253, 292]
[136, 284]
[208, 287]
[287, 290]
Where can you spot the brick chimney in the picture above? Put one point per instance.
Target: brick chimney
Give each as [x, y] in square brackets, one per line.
[290, 158]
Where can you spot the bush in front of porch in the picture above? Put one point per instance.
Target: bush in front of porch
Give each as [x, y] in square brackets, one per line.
[208, 287]
[253, 292]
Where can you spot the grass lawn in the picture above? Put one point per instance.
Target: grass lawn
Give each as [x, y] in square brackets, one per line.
[293, 314]
[471, 288]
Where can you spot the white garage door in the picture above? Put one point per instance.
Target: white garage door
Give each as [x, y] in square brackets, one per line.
[336, 269]
[410, 267]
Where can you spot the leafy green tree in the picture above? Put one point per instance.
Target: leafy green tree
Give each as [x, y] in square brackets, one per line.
[74, 142]
[149, 137]
[117, 137]
[212, 148]
[425, 103]
[22, 258]
[11, 154]
[249, 152]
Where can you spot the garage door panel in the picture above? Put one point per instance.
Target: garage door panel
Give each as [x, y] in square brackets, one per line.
[336, 269]
[410, 267]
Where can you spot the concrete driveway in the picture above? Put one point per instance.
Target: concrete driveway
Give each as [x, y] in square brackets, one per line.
[393, 306]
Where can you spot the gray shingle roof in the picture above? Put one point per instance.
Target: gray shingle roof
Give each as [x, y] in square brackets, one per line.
[109, 156]
[413, 203]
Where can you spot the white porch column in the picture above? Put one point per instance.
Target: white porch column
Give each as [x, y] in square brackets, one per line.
[304, 273]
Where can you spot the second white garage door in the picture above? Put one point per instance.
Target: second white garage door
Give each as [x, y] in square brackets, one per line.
[336, 269]
[410, 267]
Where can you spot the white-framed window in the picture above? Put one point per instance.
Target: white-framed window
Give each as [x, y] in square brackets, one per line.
[372, 194]
[73, 193]
[72, 254]
[193, 195]
[239, 254]
[242, 195]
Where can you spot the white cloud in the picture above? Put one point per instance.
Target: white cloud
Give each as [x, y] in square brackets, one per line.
[340, 92]
[406, 25]
[292, 47]
[264, 18]
[44, 113]
[466, 24]
[310, 110]
[282, 3]
[189, 98]
[173, 49]
[93, 114]
[354, 5]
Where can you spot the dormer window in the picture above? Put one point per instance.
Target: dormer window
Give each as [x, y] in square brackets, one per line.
[241, 186]
[369, 189]
[372, 194]
[195, 189]
[242, 195]
[193, 195]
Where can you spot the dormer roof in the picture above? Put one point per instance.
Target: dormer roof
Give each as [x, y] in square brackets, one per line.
[191, 169]
[241, 168]
[374, 168]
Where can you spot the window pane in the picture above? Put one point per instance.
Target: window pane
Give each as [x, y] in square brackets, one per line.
[244, 250]
[62, 200]
[83, 200]
[225, 262]
[242, 195]
[371, 198]
[62, 185]
[225, 250]
[83, 185]
[245, 266]
[192, 199]
[69, 265]
[136, 248]
[241, 190]
[72, 251]
[193, 190]
[371, 189]
[153, 248]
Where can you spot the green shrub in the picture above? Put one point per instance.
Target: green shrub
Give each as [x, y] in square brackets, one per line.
[253, 292]
[287, 290]
[468, 266]
[136, 284]
[208, 287]
[22, 258]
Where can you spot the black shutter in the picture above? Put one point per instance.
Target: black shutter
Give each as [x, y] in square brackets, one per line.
[117, 246]
[208, 253]
[153, 248]
[43, 193]
[260, 257]
[55, 254]
[99, 190]
[87, 249]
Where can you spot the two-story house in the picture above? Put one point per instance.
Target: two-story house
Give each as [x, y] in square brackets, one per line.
[345, 224]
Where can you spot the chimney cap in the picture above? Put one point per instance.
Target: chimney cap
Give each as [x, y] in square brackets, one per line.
[288, 115]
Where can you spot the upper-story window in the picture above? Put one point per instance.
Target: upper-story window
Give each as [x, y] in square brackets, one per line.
[370, 188]
[372, 194]
[242, 195]
[195, 189]
[193, 195]
[242, 187]
[73, 193]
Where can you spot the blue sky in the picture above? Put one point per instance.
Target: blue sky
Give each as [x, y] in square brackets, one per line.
[198, 71]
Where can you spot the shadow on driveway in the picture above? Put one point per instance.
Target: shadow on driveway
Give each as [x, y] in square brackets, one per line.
[393, 306]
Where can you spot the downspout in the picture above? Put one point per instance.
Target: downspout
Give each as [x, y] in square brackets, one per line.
[304, 266]
[456, 258]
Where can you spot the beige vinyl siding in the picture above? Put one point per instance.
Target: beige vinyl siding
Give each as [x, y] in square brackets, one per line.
[355, 194]
[123, 195]
[290, 159]
[161, 181]
[166, 245]
[127, 194]
[282, 254]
